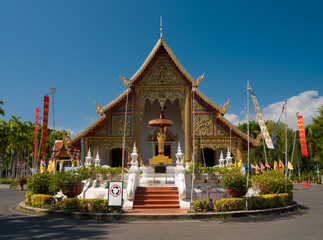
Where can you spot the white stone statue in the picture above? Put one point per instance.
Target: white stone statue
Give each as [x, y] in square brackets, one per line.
[134, 156]
[228, 158]
[97, 159]
[179, 156]
[222, 160]
[88, 159]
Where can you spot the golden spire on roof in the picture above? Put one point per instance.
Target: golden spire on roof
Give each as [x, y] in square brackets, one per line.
[161, 27]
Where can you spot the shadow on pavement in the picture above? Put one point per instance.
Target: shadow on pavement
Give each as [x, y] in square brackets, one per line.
[24, 227]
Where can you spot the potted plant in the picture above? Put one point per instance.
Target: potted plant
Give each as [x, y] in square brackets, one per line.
[236, 183]
[70, 183]
[21, 182]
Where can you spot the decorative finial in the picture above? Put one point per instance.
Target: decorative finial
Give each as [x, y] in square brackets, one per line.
[161, 27]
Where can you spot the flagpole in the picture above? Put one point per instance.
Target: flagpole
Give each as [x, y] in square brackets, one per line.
[53, 91]
[124, 136]
[263, 142]
[248, 89]
[286, 146]
[292, 155]
[193, 173]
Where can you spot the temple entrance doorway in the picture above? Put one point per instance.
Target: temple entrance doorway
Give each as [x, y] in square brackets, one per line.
[116, 157]
[208, 156]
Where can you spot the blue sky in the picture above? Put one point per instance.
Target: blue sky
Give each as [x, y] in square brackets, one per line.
[81, 47]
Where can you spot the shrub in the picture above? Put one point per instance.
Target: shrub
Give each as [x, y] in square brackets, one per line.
[72, 204]
[254, 203]
[5, 181]
[202, 206]
[28, 198]
[42, 200]
[235, 180]
[270, 201]
[272, 181]
[39, 183]
[230, 204]
[83, 205]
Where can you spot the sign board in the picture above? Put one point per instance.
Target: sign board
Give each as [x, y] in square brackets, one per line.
[115, 193]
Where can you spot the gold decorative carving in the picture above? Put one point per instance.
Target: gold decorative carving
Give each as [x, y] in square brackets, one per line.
[117, 125]
[122, 108]
[215, 143]
[197, 82]
[98, 108]
[204, 124]
[161, 94]
[199, 107]
[127, 82]
[226, 106]
[109, 143]
[162, 73]
[221, 131]
[102, 132]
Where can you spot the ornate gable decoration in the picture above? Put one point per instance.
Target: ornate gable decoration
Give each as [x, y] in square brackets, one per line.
[199, 107]
[204, 124]
[117, 125]
[122, 108]
[162, 73]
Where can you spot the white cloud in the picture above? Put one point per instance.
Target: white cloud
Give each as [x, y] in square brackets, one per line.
[233, 118]
[306, 103]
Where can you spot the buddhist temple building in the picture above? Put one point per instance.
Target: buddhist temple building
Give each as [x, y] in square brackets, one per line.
[162, 84]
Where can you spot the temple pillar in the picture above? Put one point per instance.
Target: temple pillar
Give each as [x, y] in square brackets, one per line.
[239, 149]
[188, 125]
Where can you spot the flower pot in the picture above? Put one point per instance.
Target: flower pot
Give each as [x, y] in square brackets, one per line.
[21, 187]
[72, 190]
[235, 193]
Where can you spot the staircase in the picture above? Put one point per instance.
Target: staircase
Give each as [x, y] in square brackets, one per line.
[156, 197]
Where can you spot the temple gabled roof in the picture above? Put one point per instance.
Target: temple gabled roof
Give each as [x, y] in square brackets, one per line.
[161, 45]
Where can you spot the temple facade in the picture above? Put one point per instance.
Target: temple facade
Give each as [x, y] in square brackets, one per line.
[162, 83]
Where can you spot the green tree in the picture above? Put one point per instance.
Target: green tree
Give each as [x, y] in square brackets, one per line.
[1, 110]
[314, 138]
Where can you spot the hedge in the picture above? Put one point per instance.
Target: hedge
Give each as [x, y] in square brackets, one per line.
[239, 204]
[69, 204]
[42, 200]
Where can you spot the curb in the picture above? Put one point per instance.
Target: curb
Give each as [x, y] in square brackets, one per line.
[152, 216]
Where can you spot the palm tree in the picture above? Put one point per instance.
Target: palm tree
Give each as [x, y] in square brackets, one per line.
[1, 110]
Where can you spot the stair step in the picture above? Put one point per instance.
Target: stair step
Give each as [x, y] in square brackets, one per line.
[144, 197]
[156, 206]
[156, 188]
[156, 197]
[158, 202]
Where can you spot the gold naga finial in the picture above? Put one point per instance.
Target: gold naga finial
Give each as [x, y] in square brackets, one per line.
[161, 27]
[226, 105]
[67, 138]
[197, 82]
[126, 82]
[98, 108]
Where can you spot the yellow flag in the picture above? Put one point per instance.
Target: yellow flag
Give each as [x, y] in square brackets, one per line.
[240, 164]
[51, 166]
[41, 169]
[290, 166]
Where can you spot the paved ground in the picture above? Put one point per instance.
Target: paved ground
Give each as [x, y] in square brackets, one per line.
[302, 224]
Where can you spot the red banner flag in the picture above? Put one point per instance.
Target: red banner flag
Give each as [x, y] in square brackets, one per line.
[45, 123]
[36, 132]
[302, 135]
